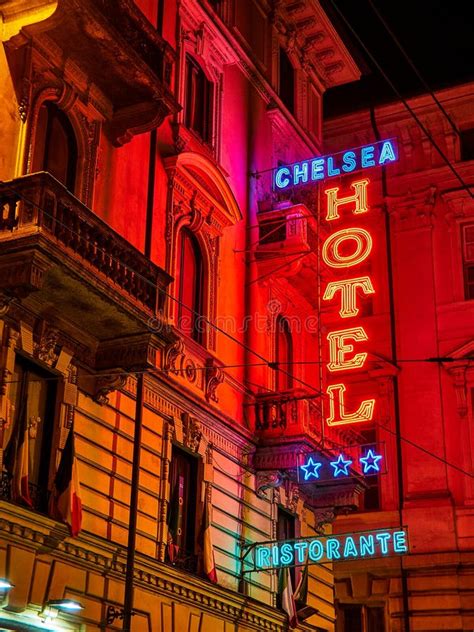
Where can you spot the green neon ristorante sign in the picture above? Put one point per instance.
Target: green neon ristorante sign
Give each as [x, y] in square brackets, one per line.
[331, 548]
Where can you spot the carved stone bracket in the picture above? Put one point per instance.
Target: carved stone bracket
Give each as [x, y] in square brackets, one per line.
[192, 432]
[47, 349]
[323, 518]
[214, 377]
[267, 480]
[173, 353]
[106, 384]
[5, 302]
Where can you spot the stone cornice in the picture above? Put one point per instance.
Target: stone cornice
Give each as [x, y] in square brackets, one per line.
[43, 535]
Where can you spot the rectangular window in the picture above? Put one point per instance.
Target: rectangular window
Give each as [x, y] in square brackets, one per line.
[198, 101]
[33, 395]
[182, 528]
[466, 139]
[468, 260]
[360, 618]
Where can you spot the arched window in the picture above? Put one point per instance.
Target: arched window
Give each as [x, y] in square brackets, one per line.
[284, 354]
[190, 285]
[198, 101]
[55, 145]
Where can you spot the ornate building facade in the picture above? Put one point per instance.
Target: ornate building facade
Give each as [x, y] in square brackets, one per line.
[144, 312]
[421, 324]
[164, 306]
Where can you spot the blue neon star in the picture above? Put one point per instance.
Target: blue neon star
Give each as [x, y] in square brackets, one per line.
[311, 469]
[371, 461]
[341, 466]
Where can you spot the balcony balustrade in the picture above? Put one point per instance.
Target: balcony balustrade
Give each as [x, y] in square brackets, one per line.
[56, 253]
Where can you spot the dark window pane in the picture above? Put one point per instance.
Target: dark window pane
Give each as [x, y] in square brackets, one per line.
[55, 145]
[468, 256]
[352, 618]
[375, 619]
[466, 138]
[284, 355]
[190, 306]
[182, 507]
[198, 100]
[286, 81]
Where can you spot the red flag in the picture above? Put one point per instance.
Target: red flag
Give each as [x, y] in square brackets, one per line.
[67, 502]
[17, 454]
[208, 550]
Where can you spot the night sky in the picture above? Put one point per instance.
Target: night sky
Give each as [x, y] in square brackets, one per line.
[438, 35]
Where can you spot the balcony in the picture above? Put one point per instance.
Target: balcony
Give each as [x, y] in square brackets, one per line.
[115, 49]
[289, 426]
[57, 257]
[288, 242]
[286, 423]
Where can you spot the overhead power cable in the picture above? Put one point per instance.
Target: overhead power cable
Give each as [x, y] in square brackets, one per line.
[229, 336]
[413, 66]
[408, 107]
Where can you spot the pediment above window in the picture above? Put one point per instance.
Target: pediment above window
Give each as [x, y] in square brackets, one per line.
[201, 188]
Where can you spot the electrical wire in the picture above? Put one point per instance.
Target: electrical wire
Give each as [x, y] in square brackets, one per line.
[404, 101]
[413, 66]
[219, 329]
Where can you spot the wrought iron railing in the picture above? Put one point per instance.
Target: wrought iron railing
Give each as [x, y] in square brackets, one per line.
[39, 204]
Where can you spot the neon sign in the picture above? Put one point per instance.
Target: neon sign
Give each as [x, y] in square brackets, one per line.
[343, 249]
[362, 460]
[340, 163]
[321, 549]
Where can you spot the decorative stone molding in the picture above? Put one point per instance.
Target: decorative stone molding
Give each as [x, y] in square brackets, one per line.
[51, 538]
[415, 209]
[267, 480]
[323, 518]
[200, 199]
[192, 432]
[214, 377]
[106, 384]
[461, 370]
[5, 302]
[47, 349]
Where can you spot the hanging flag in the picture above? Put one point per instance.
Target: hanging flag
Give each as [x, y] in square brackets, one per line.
[173, 523]
[303, 611]
[285, 590]
[208, 550]
[17, 453]
[67, 491]
[301, 591]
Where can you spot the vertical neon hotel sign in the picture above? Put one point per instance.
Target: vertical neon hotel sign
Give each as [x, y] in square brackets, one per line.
[344, 249]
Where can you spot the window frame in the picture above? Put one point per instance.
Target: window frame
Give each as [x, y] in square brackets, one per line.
[40, 499]
[283, 55]
[467, 262]
[364, 613]
[284, 379]
[198, 309]
[204, 131]
[190, 559]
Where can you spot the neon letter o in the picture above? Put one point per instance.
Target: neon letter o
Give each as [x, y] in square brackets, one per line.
[333, 258]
